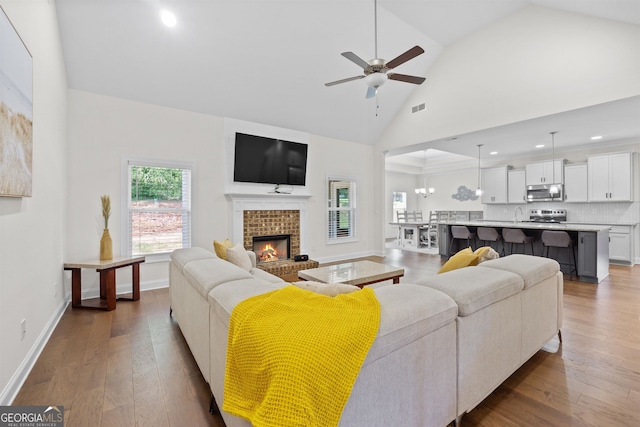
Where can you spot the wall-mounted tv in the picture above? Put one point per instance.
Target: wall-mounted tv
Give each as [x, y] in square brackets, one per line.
[269, 161]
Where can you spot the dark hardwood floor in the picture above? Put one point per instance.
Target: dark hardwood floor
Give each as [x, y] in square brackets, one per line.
[132, 367]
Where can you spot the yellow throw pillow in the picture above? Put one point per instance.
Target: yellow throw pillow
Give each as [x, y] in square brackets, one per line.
[221, 248]
[463, 258]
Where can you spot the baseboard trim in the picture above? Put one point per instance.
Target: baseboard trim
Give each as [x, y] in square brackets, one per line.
[125, 288]
[20, 376]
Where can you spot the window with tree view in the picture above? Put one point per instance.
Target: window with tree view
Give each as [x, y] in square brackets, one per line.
[159, 208]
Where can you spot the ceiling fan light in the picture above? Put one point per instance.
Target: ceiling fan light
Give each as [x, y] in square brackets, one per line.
[168, 18]
[375, 79]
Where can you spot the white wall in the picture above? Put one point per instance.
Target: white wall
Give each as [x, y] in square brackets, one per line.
[32, 229]
[341, 158]
[102, 129]
[533, 63]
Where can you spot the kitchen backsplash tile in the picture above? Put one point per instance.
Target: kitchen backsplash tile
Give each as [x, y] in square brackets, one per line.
[598, 213]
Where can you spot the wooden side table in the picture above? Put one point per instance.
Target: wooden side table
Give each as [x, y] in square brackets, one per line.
[107, 270]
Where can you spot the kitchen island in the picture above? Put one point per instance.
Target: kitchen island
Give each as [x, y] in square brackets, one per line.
[592, 243]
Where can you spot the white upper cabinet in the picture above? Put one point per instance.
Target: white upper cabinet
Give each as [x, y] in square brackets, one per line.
[610, 177]
[544, 172]
[494, 185]
[575, 183]
[516, 187]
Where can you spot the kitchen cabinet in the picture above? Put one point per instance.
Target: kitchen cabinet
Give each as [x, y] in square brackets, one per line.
[621, 244]
[544, 172]
[587, 251]
[593, 255]
[610, 177]
[575, 183]
[443, 240]
[516, 187]
[494, 185]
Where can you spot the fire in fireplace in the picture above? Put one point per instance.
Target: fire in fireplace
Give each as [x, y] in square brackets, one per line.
[272, 248]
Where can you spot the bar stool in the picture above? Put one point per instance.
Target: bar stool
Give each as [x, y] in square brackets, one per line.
[560, 239]
[490, 234]
[460, 232]
[517, 236]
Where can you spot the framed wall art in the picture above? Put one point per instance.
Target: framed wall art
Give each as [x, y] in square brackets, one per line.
[16, 112]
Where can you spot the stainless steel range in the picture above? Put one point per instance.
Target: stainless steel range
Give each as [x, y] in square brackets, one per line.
[547, 215]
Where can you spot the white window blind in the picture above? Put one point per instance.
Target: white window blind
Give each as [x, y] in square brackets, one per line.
[159, 207]
[341, 211]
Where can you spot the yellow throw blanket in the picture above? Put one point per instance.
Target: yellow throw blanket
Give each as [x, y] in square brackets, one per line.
[294, 355]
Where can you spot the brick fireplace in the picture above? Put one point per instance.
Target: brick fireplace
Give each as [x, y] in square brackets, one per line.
[266, 215]
[260, 223]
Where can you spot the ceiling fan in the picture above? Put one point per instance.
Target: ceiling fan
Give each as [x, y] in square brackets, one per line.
[376, 71]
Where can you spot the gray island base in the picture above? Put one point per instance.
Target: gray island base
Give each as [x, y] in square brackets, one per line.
[591, 244]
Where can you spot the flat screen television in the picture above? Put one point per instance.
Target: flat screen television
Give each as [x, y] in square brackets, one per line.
[269, 161]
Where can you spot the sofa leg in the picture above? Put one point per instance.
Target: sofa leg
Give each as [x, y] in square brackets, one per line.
[213, 407]
[458, 421]
[560, 335]
[170, 311]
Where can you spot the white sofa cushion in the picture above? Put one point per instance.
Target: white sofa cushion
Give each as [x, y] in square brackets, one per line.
[532, 269]
[474, 288]
[223, 298]
[408, 313]
[263, 275]
[205, 274]
[182, 257]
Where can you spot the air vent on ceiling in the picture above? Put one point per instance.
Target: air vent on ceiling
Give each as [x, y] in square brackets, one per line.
[418, 107]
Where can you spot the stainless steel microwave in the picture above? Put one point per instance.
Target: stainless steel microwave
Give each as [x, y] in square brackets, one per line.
[542, 193]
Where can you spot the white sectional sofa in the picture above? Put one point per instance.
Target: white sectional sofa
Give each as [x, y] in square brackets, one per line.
[508, 309]
[438, 347]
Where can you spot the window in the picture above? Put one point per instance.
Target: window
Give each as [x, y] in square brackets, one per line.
[158, 206]
[399, 203]
[341, 210]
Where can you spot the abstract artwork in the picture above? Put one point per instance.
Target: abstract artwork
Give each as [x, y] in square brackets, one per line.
[16, 112]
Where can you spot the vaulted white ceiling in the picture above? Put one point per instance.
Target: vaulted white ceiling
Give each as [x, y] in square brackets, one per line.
[267, 61]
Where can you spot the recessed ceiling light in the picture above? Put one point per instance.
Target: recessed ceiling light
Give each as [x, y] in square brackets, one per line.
[168, 18]
[593, 138]
[493, 152]
[539, 145]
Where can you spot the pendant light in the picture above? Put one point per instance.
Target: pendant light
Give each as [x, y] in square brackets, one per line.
[478, 190]
[554, 188]
[423, 191]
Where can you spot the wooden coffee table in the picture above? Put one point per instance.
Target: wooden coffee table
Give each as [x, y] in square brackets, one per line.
[358, 273]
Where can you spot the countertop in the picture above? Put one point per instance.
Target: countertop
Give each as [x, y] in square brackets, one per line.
[566, 226]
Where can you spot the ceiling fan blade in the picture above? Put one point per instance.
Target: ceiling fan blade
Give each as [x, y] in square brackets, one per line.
[371, 92]
[405, 78]
[337, 82]
[356, 59]
[410, 54]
